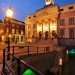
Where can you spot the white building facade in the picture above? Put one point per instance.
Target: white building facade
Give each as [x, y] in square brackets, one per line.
[51, 21]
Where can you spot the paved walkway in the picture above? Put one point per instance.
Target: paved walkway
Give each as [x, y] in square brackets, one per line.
[0, 68]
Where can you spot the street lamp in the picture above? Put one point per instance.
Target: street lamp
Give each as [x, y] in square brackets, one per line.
[9, 14]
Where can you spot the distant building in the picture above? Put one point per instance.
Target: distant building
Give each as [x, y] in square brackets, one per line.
[2, 31]
[52, 22]
[16, 30]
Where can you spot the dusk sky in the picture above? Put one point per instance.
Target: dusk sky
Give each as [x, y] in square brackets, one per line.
[24, 7]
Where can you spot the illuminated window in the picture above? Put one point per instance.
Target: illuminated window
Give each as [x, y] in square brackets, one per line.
[21, 38]
[7, 30]
[17, 31]
[13, 31]
[1, 31]
[17, 38]
[22, 32]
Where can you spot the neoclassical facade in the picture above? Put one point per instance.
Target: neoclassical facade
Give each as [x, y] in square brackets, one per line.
[51, 21]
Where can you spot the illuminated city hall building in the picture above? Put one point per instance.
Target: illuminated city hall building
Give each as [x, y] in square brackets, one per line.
[51, 22]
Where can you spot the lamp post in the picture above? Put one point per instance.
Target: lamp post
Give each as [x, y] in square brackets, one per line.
[9, 14]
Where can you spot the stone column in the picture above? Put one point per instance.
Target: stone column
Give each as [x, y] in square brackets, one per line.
[36, 28]
[49, 26]
[42, 28]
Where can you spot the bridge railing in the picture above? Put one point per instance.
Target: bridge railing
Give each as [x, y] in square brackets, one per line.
[19, 62]
[28, 51]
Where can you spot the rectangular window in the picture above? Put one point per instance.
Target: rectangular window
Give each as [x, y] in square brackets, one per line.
[71, 33]
[21, 38]
[22, 32]
[62, 22]
[61, 9]
[17, 38]
[71, 21]
[17, 31]
[13, 39]
[13, 31]
[70, 7]
[7, 30]
[61, 33]
[34, 26]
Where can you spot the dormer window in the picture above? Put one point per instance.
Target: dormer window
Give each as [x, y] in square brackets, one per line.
[70, 7]
[34, 16]
[29, 17]
[61, 9]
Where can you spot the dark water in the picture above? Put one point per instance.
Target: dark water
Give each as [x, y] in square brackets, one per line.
[69, 68]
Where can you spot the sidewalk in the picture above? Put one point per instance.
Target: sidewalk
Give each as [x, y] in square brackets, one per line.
[0, 68]
[9, 63]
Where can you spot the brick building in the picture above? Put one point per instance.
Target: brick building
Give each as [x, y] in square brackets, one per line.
[14, 28]
[2, 31]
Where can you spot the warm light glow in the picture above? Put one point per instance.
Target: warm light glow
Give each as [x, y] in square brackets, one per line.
[46, 28]
[67, 52]
[53, 27]
[47, 3]
[9, 12]
[9, 35]
[1, 31]
[39, 28]
[2, 38]
[60, 61]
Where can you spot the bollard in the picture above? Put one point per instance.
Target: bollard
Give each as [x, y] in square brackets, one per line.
[60, 68]
[67, 54]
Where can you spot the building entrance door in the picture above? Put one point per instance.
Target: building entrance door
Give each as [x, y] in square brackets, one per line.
[40, 35]
[46, 35]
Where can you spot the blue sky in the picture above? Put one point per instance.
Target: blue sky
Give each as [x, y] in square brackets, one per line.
[24, 7]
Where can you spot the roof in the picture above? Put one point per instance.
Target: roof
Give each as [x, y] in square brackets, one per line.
[1, 21]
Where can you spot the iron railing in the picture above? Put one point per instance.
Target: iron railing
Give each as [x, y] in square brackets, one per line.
[19, 61]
